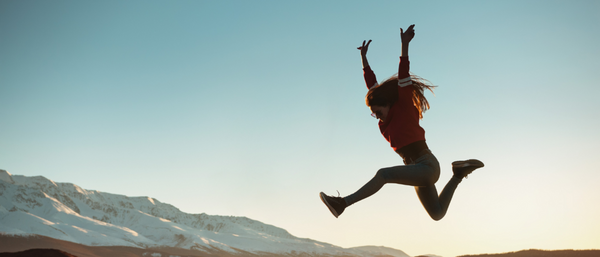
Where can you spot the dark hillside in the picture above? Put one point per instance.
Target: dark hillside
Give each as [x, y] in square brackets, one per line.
[38, 253]
[542, 253]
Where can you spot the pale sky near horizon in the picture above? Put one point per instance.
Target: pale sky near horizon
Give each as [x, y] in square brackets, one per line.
[251, 108]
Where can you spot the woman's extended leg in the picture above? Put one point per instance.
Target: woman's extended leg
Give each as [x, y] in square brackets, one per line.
[424, 173]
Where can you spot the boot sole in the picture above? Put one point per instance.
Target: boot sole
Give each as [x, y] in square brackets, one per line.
[331, 209]
[467, 163]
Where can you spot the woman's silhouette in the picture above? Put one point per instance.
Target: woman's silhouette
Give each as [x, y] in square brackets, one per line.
[399, 103]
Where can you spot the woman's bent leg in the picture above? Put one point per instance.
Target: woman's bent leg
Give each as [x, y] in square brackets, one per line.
[437, 206]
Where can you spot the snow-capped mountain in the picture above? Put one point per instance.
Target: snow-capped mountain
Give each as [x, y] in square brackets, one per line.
[37, 205]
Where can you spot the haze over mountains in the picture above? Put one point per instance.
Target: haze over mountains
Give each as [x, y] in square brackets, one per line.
[64, 211]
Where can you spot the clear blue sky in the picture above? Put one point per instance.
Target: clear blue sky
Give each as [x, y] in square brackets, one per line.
[251, 108]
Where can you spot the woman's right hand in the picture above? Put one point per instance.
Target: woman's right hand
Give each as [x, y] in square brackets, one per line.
[407, 36]
[365, 46]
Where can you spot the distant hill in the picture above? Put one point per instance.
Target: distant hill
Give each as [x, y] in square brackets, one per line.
[65, 211]
[542, 253]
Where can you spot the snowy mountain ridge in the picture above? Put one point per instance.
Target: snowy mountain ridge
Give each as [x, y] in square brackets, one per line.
[37, 205]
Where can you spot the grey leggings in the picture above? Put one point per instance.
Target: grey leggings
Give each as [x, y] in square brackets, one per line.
[422, 174]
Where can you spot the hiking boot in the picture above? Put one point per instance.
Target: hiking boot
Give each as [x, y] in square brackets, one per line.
[462, 169]
[335, 204]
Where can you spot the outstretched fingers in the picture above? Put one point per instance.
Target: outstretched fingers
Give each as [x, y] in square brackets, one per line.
[364, 45]
[407, 35]
[410, 29]
[364, 48]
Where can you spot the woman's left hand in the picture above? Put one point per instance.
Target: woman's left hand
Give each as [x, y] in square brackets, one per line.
[364, 48]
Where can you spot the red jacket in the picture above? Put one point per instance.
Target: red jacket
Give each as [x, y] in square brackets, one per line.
[401, 127]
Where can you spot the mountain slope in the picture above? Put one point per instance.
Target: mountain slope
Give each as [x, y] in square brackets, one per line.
[36, 205]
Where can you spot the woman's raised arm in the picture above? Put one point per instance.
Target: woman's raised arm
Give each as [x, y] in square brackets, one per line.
[369, 75]
[404, 67]
[406, 37]
[363, 52]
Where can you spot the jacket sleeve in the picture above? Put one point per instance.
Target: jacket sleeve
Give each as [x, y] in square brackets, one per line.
[370, 78]
[403, 72]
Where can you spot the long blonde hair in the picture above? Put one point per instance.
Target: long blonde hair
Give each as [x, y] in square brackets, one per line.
[386, 94]
[419, 100]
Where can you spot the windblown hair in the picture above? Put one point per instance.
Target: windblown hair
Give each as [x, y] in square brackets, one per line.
[386, 94]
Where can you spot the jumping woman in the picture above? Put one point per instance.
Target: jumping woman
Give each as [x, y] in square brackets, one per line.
[399, 103]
